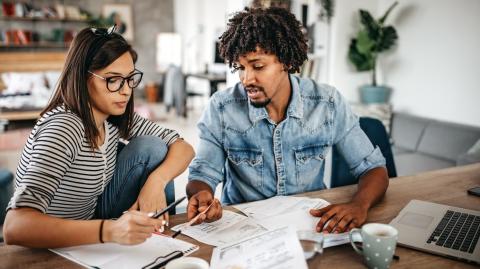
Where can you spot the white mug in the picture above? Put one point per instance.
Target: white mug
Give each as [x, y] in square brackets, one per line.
[187, 263]
[379, 242]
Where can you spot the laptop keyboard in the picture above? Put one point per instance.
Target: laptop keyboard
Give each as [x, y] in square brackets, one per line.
[456, 230]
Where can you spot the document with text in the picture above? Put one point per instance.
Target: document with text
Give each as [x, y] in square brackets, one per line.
[230, 228]
[277, 249]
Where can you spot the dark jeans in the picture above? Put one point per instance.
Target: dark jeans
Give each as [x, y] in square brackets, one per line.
[135, 161]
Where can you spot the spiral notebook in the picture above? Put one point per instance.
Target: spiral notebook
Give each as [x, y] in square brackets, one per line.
[156, 252]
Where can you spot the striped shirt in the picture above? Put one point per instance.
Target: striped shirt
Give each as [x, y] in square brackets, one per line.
[58, 172]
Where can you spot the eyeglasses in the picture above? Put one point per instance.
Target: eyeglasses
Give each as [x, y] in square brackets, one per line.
[104, 31]
[115, 83]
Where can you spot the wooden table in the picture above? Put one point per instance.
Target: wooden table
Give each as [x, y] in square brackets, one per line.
[446, 186]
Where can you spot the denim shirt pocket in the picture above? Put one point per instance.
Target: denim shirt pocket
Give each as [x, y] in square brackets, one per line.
[309, 161]
[248, 164]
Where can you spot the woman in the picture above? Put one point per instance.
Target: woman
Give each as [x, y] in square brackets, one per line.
[74, 176]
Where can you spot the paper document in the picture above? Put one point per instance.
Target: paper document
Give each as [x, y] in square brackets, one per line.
[291, 211]
[115, 256]
[277, 249]
[279, 205]
[230, 228]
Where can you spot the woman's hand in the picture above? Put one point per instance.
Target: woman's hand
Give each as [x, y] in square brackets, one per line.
[133, 227]
[152, 197]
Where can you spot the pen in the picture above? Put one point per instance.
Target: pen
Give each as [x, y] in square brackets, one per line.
[192, 221]
[170, 206]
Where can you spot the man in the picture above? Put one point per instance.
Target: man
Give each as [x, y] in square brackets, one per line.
[269, 134]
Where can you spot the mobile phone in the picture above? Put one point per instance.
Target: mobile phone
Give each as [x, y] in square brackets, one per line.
[474, 191]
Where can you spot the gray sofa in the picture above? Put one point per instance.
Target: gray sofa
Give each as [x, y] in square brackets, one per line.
[421, 144]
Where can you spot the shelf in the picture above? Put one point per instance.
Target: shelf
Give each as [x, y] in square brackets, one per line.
[37, 45]
[42, 19]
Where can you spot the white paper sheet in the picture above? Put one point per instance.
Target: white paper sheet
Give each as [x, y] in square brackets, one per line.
[277, 249]
[278, 205]
[115, 256]
[290, 211]
[230, 228]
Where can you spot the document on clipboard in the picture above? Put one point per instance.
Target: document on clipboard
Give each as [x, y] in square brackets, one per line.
[155, 252]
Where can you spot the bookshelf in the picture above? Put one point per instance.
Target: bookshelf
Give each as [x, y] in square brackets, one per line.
[33, 25]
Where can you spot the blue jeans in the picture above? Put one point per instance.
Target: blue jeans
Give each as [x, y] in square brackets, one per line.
[135, 161]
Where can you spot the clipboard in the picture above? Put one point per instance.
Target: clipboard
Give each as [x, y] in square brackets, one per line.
[156, 252]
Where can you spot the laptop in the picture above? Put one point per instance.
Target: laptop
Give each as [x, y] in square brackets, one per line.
[439, 229]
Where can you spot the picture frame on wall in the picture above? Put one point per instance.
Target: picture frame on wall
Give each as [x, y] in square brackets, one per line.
[120, 14]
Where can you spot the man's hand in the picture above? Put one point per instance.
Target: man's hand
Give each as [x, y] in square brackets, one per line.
[342, 217]
[199, 202]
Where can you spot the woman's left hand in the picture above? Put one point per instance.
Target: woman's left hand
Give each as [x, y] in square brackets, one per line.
[152, 197]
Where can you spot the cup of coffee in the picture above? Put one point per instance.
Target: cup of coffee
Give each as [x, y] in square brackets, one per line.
[379, 242]
[187, 263]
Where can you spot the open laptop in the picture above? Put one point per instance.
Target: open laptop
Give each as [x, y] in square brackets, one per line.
[439, 229]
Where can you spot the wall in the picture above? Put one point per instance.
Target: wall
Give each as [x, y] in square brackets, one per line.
[434, 68]
[150, 17]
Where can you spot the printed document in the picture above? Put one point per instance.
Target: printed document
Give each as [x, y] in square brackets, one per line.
[292, 211]
[277, 249]
[230, 228]
[115, 256]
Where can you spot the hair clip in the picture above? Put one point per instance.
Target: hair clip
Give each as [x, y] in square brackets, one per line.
[103, 31]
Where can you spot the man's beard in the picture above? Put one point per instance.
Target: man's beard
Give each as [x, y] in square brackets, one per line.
[261, 104]
[258, 104]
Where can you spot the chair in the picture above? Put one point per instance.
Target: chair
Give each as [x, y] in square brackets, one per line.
[377, 134]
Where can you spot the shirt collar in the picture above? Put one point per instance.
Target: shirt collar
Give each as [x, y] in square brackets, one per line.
[294, 109]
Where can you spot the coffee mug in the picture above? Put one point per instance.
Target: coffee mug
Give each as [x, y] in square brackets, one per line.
[187, 263]
[379, 242]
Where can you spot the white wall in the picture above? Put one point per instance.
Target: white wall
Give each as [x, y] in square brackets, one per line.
[345, 24]
[434, 71]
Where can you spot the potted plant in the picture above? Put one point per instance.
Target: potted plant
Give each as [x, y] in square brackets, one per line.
[373, 38]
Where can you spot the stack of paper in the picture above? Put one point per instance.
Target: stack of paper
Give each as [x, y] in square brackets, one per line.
[269, 214]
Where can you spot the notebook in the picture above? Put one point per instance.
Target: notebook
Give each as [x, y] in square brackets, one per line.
[157, 250]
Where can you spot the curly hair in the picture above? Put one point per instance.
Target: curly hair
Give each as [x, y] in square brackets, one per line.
[273, 29]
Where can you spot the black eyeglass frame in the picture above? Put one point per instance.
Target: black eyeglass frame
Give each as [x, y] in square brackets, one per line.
[128, 79]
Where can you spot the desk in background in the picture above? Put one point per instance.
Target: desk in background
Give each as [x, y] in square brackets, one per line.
[446, 186]
[213, 78]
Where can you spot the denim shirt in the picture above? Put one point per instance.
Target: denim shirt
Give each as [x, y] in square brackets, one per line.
[257, 158]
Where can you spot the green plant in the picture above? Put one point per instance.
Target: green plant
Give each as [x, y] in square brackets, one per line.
[373, 38]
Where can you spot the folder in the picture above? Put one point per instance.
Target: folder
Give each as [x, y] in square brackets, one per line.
[156, 252]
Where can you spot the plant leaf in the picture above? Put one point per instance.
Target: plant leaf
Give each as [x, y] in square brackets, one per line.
[364, 43]
[387, 39]
[362, 62]
[370, 24]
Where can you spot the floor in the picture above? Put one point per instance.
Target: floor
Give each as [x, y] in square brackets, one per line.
[12, 142]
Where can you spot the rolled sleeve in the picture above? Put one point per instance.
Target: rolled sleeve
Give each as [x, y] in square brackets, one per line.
[208, 165]
[352, 142]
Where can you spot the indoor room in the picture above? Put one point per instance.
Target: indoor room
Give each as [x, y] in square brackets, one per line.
[377, 102]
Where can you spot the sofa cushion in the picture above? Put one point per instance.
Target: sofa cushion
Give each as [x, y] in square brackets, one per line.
[448, 140]
[414, 163]
[407, 130]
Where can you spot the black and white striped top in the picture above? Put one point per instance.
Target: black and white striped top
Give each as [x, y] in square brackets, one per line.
[58, 172]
